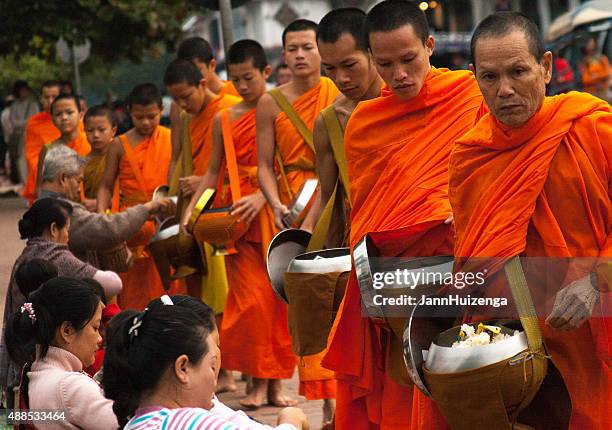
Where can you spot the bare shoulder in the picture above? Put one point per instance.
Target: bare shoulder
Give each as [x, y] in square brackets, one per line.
[267, 107]
[116, 148]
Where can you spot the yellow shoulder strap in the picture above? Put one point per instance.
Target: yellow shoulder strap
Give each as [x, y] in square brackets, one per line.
[293, 116]
[319, 234]
[336, 138]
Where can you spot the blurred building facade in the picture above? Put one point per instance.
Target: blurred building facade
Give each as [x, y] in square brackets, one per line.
[452, 21]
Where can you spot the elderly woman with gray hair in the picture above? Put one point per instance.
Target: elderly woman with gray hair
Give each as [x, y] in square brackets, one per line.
[46, 226]
[62, 174]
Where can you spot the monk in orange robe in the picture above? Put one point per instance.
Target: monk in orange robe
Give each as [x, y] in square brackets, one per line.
[397, 148]
[100, 128]
[308, 93]
[139, 159]
[532, 179]
[347, 62]
[39, 131]
[200, 53]
[254, 339]
[67, 117]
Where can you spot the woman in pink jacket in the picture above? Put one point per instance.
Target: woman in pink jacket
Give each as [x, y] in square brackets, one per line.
[61, 322]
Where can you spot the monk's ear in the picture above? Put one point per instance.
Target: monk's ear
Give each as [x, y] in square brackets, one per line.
[472, 69]
[203, 83]
[430, 45]
[546, 62]
[212, 66]
[114, 130]
[267, 71]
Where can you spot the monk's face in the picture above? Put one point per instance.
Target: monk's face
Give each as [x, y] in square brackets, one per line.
[145, 118]
[207, 70]
[190, 98]
[350, 68]
[100, 132]
[402, 59]
[510, 78]
[66, 116]
[301, 53]
[249, 81]
[48, 95]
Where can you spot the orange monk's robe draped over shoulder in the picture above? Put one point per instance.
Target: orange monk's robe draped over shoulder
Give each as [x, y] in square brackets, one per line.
[229, 89]
[200, 131]
[254, 335]
[40, 130]
[543, 190]
[299, 161]
[152, 156]
[397, 154]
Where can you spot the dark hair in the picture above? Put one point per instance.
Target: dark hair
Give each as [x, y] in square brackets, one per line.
[68, 83]
[503, 23]
[134, 363]
[18, 86]
[96, 288]
[42, 214]
[349, 20]
[246, 49]
[281, 66]
[182, 71]
[101, 110]
[51, 83]
[143, 95]
[299, 25]
[390, 15]
[57, 301]
[64, 96]
[31, 274]
[195, 48]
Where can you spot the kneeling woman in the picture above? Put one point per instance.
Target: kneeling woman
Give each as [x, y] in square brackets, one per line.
[62, 318]
[160, 368]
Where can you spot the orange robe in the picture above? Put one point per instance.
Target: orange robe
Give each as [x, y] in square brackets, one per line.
[200, 131]
[229, 89]
[39, 131]
[299, 161]
[397, 154]
[152, 156]
[254, 335]
[595, 73]
[543, 190]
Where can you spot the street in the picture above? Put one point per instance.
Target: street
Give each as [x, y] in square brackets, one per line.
[11, 210]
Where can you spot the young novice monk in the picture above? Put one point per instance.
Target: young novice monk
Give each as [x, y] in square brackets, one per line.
[139, 159]
[100, 128]
[67, 116]
[254, 335]
[308, 93]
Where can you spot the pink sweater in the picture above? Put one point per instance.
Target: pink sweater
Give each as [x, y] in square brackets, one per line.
[57, 382]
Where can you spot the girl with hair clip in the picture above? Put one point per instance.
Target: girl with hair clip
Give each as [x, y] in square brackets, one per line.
[46, 226]
[62, 320]
[161, 368]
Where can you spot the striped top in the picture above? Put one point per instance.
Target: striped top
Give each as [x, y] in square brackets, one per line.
[153, 418]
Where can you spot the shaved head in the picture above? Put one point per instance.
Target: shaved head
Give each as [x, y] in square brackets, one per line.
[502, 23]
[390, 15]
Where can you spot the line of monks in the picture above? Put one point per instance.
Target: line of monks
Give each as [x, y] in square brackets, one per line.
[435, 162]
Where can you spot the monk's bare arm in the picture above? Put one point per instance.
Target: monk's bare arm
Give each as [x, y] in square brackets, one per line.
[210, 178]
[111, 170]
[266, 145]
[326, 163]
[176, 130]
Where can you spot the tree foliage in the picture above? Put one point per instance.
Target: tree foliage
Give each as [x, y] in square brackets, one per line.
[116, 28]
[31, 69]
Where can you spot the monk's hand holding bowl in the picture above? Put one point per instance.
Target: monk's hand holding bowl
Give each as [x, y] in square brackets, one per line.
[189, 184]
[573, 305]
[280, 210]
[249, 206]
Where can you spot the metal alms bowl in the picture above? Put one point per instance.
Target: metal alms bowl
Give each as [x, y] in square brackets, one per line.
[284, 247]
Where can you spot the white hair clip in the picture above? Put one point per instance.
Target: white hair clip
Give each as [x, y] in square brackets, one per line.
[166, 300]
[136, 322]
